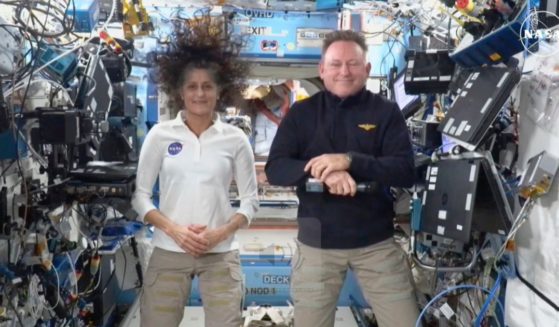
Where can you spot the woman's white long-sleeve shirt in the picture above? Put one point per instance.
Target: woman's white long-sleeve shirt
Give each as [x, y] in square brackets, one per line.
[195, 175]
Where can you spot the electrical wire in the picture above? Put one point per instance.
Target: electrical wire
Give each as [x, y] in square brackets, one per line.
[57, 289]
[5, 170]
[110, 17]
[33, 298]
[16, 133]
[488, 301]
[65, 53]
[91, 288]
[469, 309]
[54, 12]
[22, 58]
[37, 80]
[25, 189]
[537, 291]
[515, 227]
[37, 156]
[390, 47]
[11, 305]
[44, 187]
[472, 307]
[22, 78]
[452, 289]
[72, 265]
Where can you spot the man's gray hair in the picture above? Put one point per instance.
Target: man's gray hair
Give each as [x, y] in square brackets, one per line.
[345, 35]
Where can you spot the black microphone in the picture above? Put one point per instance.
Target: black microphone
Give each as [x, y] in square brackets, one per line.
[314, 185]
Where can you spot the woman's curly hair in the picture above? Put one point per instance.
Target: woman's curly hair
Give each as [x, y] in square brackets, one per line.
[204, 42]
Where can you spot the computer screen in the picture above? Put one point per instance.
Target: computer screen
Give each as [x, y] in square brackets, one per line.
[407, 103]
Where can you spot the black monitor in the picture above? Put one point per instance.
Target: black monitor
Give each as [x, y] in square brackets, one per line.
[475, 108]
[408, 103]
[463, 195]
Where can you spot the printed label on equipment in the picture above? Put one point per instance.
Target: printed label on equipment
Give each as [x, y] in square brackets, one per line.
[275, 279]
[311, 37]
[261, 290]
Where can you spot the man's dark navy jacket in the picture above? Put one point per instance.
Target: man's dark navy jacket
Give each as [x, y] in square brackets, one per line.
[374, 131]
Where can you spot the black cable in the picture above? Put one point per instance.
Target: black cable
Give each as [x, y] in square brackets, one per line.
[95, 296]
[18, 74]
[10, 304]
[6, 169]
[27, 31]
[471, 303]
[384, 32]
[139, 271]
[17, 138]
[471, 310]
[537, 291]
[73, 19]
[56, 16]
[390, 48]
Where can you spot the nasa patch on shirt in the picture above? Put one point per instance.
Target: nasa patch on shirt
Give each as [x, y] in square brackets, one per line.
[174, 148]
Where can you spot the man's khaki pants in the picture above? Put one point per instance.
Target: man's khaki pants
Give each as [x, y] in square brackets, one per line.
[383, 274]
[167, 288]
